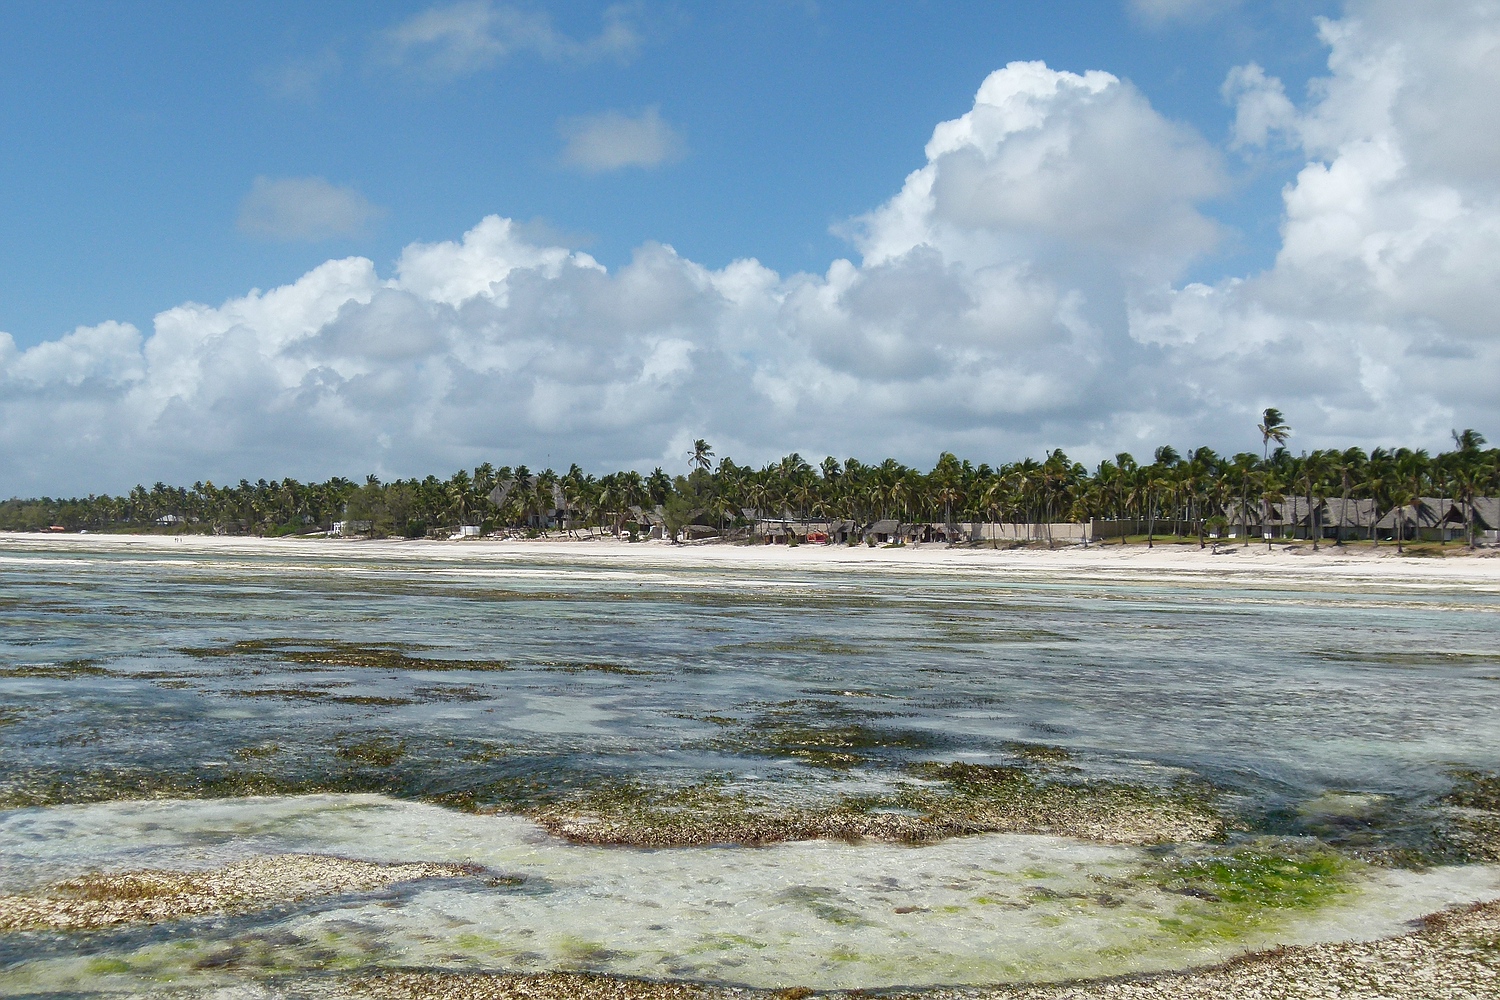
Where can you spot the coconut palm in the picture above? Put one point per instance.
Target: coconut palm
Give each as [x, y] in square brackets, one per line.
[702, 455]
[1273, 427]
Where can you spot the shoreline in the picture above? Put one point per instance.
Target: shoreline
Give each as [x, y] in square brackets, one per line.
[1354, 563]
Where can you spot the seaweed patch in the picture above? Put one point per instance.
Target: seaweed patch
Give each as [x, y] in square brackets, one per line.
[957, 800]
[331, 653]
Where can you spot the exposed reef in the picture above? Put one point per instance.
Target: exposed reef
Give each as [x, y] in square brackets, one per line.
[107, 899]
[948, 800]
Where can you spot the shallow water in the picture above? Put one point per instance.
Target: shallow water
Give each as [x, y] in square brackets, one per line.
[974, 909]
[1337, 713]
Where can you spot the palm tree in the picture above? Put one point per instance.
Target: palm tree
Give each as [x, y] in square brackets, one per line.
[1468, 442]
[702, 453]
[1271, 494]
[1467, 482]
[1273, 427]
[1312, 470]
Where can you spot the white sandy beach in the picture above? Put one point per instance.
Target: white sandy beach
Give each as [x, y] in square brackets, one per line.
[1292, 564]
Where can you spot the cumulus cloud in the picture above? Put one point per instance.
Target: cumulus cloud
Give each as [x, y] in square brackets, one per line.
[613, 140]
[1021, 290]
[1387, 276]
[458, 39]
[1050, 164]
[305, 209]
[1263, 113]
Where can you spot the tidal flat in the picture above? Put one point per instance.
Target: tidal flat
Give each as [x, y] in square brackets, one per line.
[296, 768]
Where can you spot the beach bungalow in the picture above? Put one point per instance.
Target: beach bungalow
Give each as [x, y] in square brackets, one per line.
[842, 532]
[1485, 512]
[1245, 519]
[884, 532]
[1346, 519]
[1329, 518]
[653, 522]
[935, 532]
[1427, 519]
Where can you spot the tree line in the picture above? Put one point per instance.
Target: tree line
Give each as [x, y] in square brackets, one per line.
[1198, 487]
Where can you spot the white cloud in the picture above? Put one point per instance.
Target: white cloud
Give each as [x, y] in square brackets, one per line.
[1051, 163]
[108, 354]
[613, 140]
[305, 209]
[457, 39]
[1021, 290]
[1160, 12]
[301, 79]
[1389, 272]
[1262, 110]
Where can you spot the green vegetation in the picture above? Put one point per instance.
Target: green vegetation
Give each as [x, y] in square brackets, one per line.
[1475, 790]
[380, 751]
[1473, 828]
[332, 653]
[1259, 879]
[833, 746]
[1174, 498]
[66, 669]
[944, 800]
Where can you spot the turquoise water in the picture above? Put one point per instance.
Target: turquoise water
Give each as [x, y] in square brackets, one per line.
[513, 676]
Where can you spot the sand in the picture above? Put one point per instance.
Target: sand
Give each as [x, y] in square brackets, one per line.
[1352, 565]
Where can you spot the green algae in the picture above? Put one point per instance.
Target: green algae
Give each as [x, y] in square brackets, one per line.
[331, 653]
[1260, 880]
[955, 799]
[1474, 790]
[824, 903]
[822, 734]
[380, 751]
[1244, 894]
[293, 693]
[801, 644]
[576, 667]
[65, 670]
[1039, 752]
[838, 746]
[1408, 658]
[448, 692]
[1472, 815]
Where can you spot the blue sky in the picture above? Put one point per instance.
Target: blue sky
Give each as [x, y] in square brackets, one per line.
[311, 240]
[134, 131]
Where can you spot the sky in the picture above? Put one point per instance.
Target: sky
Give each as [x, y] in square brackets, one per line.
[403, 238]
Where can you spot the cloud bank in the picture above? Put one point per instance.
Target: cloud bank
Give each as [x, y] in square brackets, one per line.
[1021, 290]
